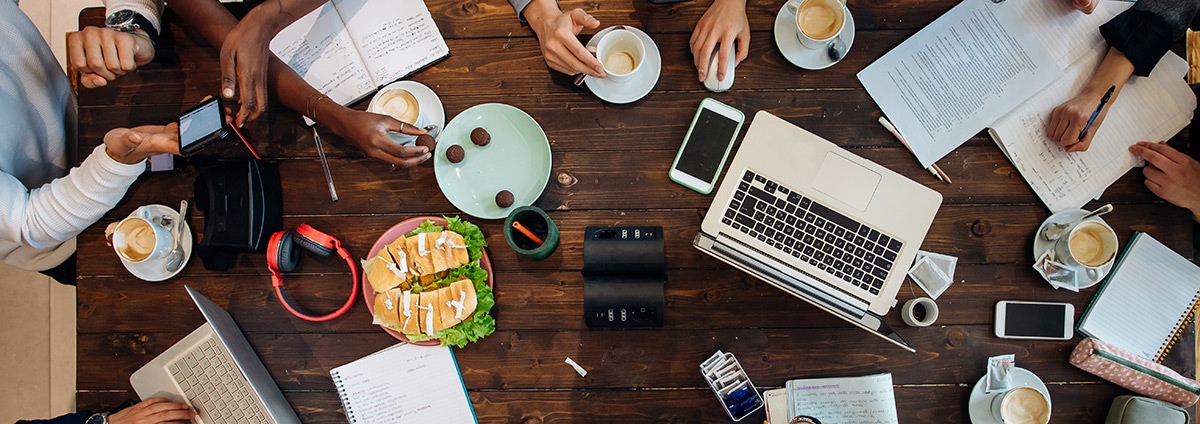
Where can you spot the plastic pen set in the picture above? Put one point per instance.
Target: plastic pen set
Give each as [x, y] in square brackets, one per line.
[732, 386]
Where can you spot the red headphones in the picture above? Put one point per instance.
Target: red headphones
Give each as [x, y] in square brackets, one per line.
[283, 255]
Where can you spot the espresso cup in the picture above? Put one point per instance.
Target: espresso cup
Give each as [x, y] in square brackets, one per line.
[404, 106]
[818, 21]
[1089, 245]
[140, 238]
[622, 54]
[1021, 405]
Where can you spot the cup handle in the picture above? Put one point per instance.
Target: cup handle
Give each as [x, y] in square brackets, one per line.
[792, 6]
[1092, 273]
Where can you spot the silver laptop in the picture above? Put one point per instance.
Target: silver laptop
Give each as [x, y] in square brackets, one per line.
[215, 370]
[818, 222]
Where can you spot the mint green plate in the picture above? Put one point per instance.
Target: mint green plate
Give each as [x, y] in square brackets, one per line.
[517, 160]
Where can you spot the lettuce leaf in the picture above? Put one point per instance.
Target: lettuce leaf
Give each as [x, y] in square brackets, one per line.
[425, 227]
[471, 234]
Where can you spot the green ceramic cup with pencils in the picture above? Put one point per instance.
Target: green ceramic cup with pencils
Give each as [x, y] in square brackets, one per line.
[530, 232]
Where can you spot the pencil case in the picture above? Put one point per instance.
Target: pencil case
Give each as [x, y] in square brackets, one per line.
[1135, 373]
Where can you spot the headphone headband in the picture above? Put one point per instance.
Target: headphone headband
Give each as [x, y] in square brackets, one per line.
[282, 255]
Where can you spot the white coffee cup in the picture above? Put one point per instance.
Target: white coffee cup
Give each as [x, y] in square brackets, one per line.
[141, 237]
[1021, 405]
[622, 54]
[818, 21]
[1089, 245]
[404, 106]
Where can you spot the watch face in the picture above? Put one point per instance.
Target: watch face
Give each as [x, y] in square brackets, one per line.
[95, 419]
[119, 18]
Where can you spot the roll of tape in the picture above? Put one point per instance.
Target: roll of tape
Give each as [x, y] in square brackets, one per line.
[931, 312]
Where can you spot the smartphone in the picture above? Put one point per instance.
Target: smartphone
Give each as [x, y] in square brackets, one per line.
[201, 126]
[1034, 320]
[706, 145]
[164, 163]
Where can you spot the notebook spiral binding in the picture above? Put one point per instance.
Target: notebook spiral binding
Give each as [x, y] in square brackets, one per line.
[1179, 328]
[341, 389]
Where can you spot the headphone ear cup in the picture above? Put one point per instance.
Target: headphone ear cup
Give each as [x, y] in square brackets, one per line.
[287, 256]
[312, 245]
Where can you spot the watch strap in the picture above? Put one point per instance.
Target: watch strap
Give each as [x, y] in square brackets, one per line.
[145, 25]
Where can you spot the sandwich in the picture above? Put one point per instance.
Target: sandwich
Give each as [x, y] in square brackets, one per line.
[427, 312]
[387, 308]
[421, 258]
[384, 273]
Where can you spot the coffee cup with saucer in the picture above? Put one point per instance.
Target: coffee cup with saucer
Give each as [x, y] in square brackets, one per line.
[629, 87]
[412, 103]
[979, 403]
[1085, 276]
[152, 266]
[788, 37]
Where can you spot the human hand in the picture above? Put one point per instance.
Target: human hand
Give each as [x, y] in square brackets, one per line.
[724, 22]
[244, 58]
[153, 411]
[369, 131]
[1085, 6]
[558, 33]
[132, 145]
[1171, 174]
[1070, 118]
[101, 55]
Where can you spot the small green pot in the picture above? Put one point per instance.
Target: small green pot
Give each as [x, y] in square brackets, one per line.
[536, 220]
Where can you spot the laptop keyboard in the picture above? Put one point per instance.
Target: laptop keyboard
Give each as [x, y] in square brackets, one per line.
[215, 386]
[796, 225]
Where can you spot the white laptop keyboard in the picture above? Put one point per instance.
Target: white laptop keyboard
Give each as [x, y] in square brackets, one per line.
[215, 386]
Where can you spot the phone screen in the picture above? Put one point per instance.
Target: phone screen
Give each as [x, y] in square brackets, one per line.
[1034, 320]
[199, 123]
[706, 145]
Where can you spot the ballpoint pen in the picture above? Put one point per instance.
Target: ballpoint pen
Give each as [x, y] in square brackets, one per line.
[1103, 101]
[325, 164]
[933, 169]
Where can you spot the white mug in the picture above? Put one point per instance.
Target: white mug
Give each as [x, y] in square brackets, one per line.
[1021, 405]
[141, 237]
[404, 106]
[622, 54]
[835, 6]
[1090, 261]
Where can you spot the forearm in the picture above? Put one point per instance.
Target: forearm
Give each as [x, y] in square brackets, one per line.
[538, 11]
[1114, 70]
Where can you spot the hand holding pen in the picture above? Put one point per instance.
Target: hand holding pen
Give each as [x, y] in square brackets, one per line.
[1073, 124]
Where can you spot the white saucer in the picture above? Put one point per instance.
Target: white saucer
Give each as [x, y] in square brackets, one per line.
[425, 96]
[154, 271]
[799, 54]
[1040, 245]
[979, 405]
[636, 88]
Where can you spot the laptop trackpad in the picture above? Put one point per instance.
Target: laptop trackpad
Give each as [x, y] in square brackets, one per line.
[844, 180]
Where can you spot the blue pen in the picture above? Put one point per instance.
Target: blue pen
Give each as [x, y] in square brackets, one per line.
[1103, 101]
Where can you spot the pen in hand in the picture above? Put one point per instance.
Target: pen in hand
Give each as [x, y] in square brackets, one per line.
[1103, 101]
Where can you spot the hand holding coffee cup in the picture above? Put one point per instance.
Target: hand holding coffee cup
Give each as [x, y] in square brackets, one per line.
[1022, 405]
[1090, 245]
[402, 105]
[622, 53]
[818, 21]
[139, 237]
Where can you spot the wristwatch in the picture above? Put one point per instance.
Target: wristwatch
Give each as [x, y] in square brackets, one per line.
[101, 418]
[126, 20]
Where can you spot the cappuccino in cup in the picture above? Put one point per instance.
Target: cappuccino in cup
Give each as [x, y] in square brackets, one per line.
[1090, 245]
[138, 239]
[400, 104]
[621, 52]
[1022, 405]
[818, 21]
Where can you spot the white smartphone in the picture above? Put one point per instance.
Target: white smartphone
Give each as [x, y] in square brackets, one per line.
[706, 145]
[1034, 320]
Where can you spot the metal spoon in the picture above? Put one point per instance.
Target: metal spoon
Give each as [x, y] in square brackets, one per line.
[1054, 231]
[579, 77]
[433, 130]
[175, 258]
[836, 49]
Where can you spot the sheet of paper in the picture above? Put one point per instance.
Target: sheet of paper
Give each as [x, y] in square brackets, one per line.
[394, 37]
[1145, 110]
[1143, 303]
[405, 383]
[318, 48]
[859, 400]
[1067, 34]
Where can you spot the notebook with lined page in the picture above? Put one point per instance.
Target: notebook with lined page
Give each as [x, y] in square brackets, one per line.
[1146, 301]
[404, 383]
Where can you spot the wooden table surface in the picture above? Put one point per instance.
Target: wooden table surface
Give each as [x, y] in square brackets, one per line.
[610, 168]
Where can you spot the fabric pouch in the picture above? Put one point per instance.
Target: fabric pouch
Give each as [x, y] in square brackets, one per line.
[1135, 373]
[1139, 410]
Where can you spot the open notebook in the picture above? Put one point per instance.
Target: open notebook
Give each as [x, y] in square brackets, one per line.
[347, 49]
[861, 400]
[404, 383]
[1147, 300]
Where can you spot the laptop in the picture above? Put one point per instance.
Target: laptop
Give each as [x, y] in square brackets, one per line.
[215, 370]
[818, 222]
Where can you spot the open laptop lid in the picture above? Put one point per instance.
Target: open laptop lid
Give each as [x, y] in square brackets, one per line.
[243, 355]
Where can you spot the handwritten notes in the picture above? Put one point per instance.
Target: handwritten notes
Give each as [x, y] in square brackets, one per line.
[860, 400]
[404, 383]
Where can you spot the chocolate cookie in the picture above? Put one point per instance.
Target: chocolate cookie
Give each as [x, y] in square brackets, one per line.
[427, 141]
[504, 198]
[480, 137]
[455, 154]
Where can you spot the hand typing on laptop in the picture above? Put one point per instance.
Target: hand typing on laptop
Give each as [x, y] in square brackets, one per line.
[153, 411]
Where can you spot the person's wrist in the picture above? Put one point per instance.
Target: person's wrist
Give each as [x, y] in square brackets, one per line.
[268, 16]
[538, 12]
[333, 116]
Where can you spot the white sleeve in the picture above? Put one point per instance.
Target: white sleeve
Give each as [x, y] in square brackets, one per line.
[49, 215]
[151, 9]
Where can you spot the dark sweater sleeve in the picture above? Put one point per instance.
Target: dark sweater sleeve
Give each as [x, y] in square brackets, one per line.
[1146, 31]
[76, 418]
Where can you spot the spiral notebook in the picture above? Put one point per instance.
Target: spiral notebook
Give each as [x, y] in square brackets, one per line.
[404, 383]
[1147, 300]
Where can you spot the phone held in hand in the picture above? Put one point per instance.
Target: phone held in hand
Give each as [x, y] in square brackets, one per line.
[164, 163]
[1034, 320]
[201, 126]
[706, 145]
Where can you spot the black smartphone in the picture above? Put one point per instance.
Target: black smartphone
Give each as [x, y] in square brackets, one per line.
[201, 126]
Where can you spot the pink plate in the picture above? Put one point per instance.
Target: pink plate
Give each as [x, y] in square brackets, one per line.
[397, 231]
